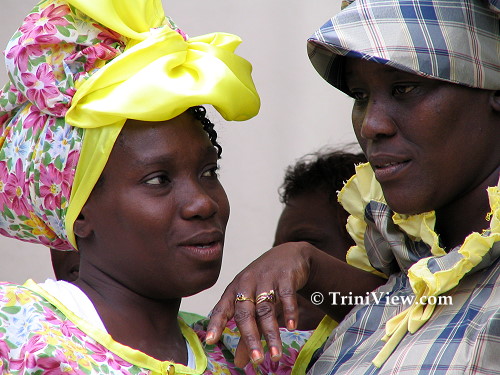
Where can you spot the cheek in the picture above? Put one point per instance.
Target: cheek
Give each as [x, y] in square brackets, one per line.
[224, 207]
[357, 117]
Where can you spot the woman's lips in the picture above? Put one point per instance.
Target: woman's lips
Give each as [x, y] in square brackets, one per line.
[205, 246]
[206, 252]
[389, 170]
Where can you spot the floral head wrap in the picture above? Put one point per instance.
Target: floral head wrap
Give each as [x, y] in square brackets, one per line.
[454, 41]
[78, 70]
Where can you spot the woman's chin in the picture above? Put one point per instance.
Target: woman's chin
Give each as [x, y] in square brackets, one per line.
[203, 283]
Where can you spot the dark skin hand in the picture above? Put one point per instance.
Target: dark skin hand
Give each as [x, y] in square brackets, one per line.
[287, 268]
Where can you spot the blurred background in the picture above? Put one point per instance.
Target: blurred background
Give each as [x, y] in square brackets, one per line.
[300, 114]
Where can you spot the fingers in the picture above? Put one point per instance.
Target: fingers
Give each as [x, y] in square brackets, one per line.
[251, 298]
[289, 305]
[241, 356]
[244, 316]
[266, 316]
[220, 315]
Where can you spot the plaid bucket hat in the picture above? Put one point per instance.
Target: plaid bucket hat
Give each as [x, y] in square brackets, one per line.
[455, 41]
[78, 70]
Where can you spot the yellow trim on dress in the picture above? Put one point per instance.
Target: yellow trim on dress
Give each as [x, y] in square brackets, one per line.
[132, 356]
[317, 339]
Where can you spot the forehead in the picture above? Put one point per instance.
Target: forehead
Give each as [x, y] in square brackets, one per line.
[309, 207]
[183, 132]
[354, 68]
[176, 142]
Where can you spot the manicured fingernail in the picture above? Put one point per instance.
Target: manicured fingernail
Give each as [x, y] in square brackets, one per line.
[255, 355]
[210, 336]
[275, 353]
[291, 325]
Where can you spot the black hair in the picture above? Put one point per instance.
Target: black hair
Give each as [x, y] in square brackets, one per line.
[199, 112]
[327, 170]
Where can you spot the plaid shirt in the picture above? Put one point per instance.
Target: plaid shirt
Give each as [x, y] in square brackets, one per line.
[463, 338]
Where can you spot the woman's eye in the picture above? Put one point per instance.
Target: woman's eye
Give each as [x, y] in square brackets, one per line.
[157, 180]
[358, 95]
[212, 172]
[403, 89]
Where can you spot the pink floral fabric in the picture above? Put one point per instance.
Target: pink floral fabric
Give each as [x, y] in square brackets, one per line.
[36, 337]
[55, 46]
[293, 342]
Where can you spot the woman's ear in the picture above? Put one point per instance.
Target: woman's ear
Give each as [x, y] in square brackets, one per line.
[82, 227]
[495, 100]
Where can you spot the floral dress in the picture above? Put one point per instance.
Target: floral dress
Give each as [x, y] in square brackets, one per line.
[38, 334]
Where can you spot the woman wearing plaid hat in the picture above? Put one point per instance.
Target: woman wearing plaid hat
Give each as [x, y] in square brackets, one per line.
[425, 211]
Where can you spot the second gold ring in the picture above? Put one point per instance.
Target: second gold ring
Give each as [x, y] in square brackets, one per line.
[266, 297]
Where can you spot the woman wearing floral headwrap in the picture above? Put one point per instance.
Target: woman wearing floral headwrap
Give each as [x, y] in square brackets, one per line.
[104, 148]
[425, 211]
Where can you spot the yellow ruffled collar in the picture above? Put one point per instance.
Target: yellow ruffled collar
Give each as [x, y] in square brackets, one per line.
[477, 252]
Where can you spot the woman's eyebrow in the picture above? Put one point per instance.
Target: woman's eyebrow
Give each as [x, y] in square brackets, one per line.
[168, 158]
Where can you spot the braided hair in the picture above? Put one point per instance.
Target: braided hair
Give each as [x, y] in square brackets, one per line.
[199, 112]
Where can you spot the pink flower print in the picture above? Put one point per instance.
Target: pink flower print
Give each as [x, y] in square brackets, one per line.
[69, 172]
[3, 182]
[282, 367]
[27, 358]
[66, 327]
[108, 36]
[102, 355]
[17, 191]
[41, 90]
[51, 180]
[19, 97]
[287, 361]
[3, 118]
[46, 21]
[72, 161]
[47, 39]
[23, 51]
[215, 355]
[35, 119]
[58, 364]
[90, 56]
[55, 243]
[231, 324]
[4, 349]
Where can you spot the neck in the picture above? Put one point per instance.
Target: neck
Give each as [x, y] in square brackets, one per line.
[134, 320]
[465, 215]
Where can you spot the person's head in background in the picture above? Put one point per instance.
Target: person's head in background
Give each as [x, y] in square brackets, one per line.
[66, 264]
[312, 212]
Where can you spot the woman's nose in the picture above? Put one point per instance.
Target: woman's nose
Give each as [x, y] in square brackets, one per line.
[198, 203]
[377, 121]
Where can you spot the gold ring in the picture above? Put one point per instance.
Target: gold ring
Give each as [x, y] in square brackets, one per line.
[266, 297]
[240, 297]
